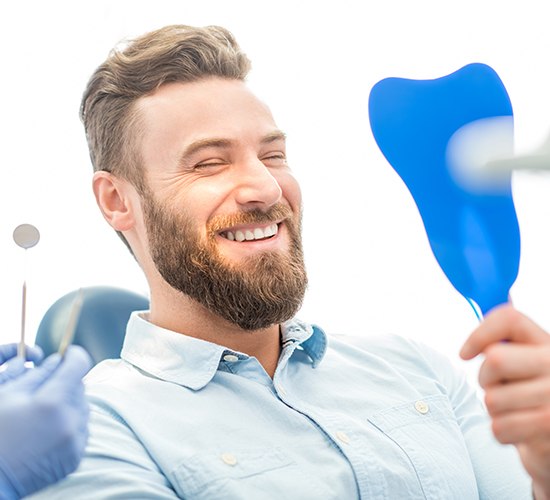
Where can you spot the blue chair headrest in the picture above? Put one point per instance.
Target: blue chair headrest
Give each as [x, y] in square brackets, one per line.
[101, 324]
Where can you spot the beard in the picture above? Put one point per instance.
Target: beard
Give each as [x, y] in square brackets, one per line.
[260, 291]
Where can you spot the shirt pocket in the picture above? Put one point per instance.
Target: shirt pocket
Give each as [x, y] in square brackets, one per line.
[238, 474]
[427, 433]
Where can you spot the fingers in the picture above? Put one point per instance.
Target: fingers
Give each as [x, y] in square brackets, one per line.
[504, 323]
[506, 362]
[15, 366]
[11, 369]
[56, 372]
[520, 396]
[9, 351]
[522, 426]
[31, 380]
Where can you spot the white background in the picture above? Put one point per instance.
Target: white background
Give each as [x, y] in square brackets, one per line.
[370, 265]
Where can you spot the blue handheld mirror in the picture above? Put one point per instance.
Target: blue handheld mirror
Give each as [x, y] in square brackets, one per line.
[422, 127]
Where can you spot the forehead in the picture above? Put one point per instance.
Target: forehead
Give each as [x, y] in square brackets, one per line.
[209, 107]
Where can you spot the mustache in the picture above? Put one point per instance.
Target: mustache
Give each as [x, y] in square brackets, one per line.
[276, 213]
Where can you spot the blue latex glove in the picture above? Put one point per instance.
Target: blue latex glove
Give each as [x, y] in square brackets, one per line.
[43, 424]
[11, 366]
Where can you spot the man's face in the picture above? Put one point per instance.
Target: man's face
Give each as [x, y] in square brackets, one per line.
[221, 209]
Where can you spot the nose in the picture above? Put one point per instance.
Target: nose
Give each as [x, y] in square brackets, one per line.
[256, 186]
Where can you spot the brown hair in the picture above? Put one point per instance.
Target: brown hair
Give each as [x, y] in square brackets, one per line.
[175, 53]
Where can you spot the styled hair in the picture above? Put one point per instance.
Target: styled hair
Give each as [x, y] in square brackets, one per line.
[175, 53]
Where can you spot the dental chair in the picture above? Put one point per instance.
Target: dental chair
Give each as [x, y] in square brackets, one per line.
[101, 324]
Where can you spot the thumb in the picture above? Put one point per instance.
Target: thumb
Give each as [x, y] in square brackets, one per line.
[76, 362]
[73, 366]
[66, 381]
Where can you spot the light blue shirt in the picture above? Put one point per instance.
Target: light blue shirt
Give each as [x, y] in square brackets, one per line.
[370, 417]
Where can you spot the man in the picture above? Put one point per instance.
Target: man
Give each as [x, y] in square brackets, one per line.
[43, 418]
[219, 392]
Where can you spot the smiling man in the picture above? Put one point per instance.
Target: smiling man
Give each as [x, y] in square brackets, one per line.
[220, 392]
[220, 215]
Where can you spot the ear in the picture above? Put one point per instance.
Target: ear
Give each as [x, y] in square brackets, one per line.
[116, 199]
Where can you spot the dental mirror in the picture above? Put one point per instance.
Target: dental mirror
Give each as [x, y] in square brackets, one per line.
[472, 226]
[26, 236]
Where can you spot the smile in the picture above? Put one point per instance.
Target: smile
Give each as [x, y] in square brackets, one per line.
[251, 234]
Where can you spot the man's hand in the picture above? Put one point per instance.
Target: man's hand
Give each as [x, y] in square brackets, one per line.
[515, 375]
[43, 423]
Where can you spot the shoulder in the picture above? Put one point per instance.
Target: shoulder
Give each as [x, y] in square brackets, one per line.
[114, 373]
[400, 353]
[114, 384]
[389, 346]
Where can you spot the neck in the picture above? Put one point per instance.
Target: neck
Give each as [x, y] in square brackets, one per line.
[183, 315]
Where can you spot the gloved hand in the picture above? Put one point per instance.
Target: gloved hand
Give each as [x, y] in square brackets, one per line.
[15, 366]
[43, 423]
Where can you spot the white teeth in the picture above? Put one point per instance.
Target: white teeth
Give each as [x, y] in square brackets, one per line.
[270, 231]
[250, 235]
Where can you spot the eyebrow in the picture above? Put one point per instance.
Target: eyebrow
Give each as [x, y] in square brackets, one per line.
[201, 144]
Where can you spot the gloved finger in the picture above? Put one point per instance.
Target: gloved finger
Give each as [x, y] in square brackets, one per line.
[68, 375]
[76, 362]
[11, 369]
[34, 353]
[8, 351]
[35, 377]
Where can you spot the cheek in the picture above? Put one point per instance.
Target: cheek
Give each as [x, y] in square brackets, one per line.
[203, 198]
[203, 202]
[291, 190]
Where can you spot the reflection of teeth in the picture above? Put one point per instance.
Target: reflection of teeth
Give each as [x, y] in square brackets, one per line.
[257, 233]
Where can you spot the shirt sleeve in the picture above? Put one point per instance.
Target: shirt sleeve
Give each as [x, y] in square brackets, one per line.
[116, 465]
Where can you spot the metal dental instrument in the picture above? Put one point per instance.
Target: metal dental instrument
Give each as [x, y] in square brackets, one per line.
[26, 236]
[72, 323]
[536, 160]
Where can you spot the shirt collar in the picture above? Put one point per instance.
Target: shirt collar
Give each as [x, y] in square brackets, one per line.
[192, 362]
[311, 338]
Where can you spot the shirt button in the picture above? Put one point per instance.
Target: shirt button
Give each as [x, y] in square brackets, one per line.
[231, 358]
[229, 459]
[422, 407]
[342, 436]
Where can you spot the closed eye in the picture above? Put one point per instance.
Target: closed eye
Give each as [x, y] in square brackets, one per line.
[275, 159]
[210, 163]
